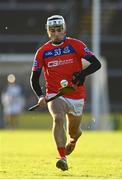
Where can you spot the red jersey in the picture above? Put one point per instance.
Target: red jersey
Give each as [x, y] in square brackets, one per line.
[60, 62]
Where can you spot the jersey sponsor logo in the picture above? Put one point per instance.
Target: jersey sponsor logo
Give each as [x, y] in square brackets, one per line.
[58, 51]
[59, 62]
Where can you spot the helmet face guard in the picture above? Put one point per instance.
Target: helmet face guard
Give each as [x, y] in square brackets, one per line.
[55, 21]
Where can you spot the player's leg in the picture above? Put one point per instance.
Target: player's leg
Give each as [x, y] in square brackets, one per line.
[58, 109]
[74, 130]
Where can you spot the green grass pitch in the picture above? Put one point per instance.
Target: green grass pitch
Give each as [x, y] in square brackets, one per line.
[32, 154]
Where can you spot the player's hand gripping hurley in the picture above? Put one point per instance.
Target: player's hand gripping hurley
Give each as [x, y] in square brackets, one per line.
[61, 92]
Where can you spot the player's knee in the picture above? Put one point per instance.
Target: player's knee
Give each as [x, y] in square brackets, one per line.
[74, 134]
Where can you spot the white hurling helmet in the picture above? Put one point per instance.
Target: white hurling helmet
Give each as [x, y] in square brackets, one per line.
[54, 21]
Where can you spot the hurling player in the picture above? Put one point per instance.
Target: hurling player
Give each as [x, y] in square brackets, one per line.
[61, 58]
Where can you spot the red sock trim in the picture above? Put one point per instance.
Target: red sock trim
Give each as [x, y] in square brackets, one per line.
[61, 151]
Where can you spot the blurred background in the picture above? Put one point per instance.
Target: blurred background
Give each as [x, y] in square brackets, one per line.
[22, 32]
